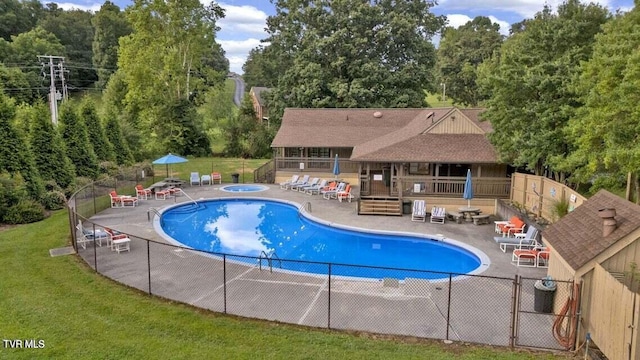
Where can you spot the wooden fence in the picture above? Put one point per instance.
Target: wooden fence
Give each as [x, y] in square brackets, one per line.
[613, 320]
[539, 195]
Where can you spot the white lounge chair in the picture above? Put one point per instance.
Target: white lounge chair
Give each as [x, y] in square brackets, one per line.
[419, 212]
[311, 190]
[205, 180]
[302, 188]
[284, 184]
[438, 214]
[301, 182]
[345, 194]
[194, 179]
[331, 193]
[520, 240]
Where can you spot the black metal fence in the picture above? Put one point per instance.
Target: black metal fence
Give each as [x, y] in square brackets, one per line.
[479, 309]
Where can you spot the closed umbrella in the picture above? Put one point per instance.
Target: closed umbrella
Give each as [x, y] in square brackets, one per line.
[468, 189]
[168, 160]
[336, 167]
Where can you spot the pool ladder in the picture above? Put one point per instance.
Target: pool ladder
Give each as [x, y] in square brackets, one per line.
[152, 210]
[270, 257]
[306, 206]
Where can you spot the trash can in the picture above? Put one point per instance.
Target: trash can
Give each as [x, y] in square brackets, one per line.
[406, 207]
[235, 177]
[544, 291]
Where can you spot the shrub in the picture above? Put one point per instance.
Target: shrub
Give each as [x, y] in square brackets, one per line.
[54, 200]
[26, 211]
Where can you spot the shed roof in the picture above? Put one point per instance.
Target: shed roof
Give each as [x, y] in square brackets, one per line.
[577, 237]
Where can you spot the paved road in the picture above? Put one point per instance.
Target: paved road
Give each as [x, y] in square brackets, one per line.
[239, 94]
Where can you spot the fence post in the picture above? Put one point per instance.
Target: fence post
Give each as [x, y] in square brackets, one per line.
[224, 281]
[95, 248]
[93, 195]
[149, 266]
[514, 312]
[449, 307]
[329, 298]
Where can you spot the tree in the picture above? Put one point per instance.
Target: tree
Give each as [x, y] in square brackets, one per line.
[24, 51]
[605, 130]
[14, 83]
[120, 147]
[531, 82]
[78, 149]
[48, 150]
[109, 26]
[352, 53]
[259, 70]
[460, 52]
[101, 145]
[15, 157]
[74, 30]
[163, 61]
[17, 17]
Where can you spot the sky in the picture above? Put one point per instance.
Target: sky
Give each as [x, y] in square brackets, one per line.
[244, 23]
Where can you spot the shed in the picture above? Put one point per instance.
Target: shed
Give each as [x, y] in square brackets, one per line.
[596, 244]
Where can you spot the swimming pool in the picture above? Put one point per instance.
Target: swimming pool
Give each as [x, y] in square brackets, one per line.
[244, 188]
[247, 227]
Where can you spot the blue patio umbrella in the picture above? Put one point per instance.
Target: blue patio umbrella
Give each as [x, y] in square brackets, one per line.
[336, 167]
[168, 160]
[468, 189]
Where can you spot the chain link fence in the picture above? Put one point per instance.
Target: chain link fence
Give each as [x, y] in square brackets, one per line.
[468, 308]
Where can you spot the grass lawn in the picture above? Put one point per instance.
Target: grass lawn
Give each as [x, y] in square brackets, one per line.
[81, 315]
[435, 100]
[207, 165]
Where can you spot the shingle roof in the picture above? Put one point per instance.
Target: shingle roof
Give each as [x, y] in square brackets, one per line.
[339, 127]
[436, 148]
[395, 135]
[577, 237]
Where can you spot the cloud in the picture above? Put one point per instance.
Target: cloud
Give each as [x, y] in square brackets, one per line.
[243, 19]
[457, 20]
[69, 6]
[524, 8]
[237, 51]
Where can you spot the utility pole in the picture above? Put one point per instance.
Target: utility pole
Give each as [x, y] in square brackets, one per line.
[53, 94]
[444, 91]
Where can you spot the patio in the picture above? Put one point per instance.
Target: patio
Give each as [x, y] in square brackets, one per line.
[414, 309]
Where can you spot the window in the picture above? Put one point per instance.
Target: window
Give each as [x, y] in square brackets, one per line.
[292, 152]
[319, 152]
[419, 169]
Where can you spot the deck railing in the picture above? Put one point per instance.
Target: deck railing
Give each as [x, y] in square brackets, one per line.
[314, 164]
[454, 186]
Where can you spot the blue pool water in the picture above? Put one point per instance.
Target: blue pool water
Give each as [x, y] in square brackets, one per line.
[247, 227]
[243, 188]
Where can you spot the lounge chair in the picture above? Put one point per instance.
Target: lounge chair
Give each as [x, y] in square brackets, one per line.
[332, 193]
[514, 226]
[87, 235]
[294, 179]
[194, 179]
[537, 256]
[163, 194]
[419, 212]
[301, 188]
[519, 240]
[438, 214]
[345, 194]
[216, 176]
[117, 241]
[122, 200]
[301, 182]
[205, 179]
[142, 193]
[311, 190]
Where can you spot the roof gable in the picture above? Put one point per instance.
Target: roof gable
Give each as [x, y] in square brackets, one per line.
[455, 122]
[577, 237]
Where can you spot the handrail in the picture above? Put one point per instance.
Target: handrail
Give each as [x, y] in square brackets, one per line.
[269, 257]
[306, 206]
[153, 210]
[189, 197]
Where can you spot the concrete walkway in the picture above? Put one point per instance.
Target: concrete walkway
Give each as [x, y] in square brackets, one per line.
[478, 309]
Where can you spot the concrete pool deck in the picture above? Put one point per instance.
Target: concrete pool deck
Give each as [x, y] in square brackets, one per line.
[481, 308]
